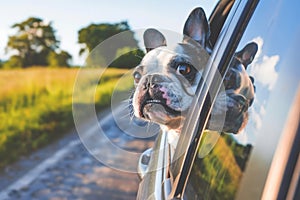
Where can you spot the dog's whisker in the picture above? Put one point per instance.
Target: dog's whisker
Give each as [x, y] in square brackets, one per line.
[126, 101]
[131, 118]
[126, 115]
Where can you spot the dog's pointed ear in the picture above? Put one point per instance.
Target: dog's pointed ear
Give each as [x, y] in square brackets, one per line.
[247, 54]
[153, 39]
[196, 26]
[252, 81]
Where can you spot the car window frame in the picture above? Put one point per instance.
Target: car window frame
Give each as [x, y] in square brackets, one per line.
[155, 183]
[207, 90]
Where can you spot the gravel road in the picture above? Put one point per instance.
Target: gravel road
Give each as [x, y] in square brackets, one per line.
[66, 170]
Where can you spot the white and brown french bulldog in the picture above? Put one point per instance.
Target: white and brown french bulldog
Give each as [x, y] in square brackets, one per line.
[167, 77]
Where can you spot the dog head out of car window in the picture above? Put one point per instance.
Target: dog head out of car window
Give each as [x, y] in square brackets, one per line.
[196, 28]
[168, 75]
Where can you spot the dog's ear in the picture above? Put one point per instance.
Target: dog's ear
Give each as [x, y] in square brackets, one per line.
[247, 54]
[153, 39]
[196, 26]
[252, 81]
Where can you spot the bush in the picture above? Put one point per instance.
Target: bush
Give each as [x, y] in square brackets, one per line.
[13, 63]
[36, 106]
[58, 59]
[127, 58]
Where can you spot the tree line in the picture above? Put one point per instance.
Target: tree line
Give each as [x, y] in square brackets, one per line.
[35, 44]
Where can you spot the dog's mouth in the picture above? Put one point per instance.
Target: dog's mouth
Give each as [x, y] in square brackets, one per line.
[157, 105]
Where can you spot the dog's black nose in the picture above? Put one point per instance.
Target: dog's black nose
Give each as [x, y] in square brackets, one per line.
[146, 83]
[152, 81]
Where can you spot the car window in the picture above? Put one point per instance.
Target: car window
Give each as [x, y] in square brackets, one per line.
[222, 157]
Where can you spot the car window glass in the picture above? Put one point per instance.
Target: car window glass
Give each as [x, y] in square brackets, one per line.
[221, 161]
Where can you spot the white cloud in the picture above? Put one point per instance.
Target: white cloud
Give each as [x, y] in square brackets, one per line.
[262, 110]
[256, 117]
[242, 137]
[263, 67]
[249, 134]
[260, 42]
[264, 71]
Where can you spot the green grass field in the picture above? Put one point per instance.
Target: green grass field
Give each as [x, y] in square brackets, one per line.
[218, 174]
[36, 105]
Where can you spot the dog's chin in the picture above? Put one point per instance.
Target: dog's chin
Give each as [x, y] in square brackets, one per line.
[163, 115]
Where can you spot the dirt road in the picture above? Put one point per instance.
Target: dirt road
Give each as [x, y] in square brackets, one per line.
[66, 170]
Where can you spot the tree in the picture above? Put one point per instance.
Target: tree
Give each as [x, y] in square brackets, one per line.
[92, 35]
[13, 62]
[127, 58]
[59, 59]
[33, 42]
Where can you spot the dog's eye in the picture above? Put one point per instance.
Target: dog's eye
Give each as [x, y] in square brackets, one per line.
[184, 69]
[137, 76]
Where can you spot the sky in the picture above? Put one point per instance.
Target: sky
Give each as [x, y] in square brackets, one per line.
[69, 16]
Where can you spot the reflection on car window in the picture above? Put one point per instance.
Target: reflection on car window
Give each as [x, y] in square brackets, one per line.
[217, 175]
[221, 161]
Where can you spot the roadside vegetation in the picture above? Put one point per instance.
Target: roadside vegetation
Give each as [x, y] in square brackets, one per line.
[36, 102]
[36, 105]
[218, 174]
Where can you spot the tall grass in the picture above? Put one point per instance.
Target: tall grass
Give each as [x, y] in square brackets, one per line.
[218, 174]
[36, 105]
